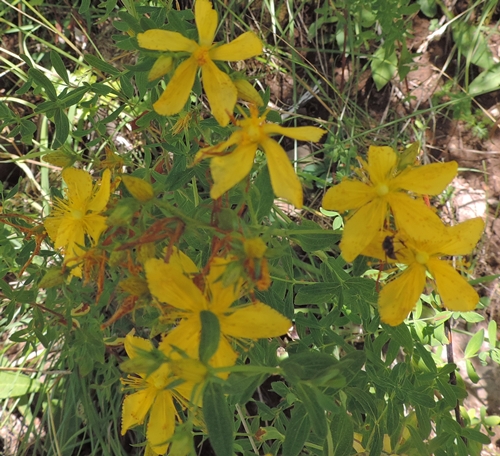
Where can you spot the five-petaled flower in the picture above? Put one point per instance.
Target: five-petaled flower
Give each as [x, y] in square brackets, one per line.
[398, 297]
[78, 214]
[153, 395]
[219, 87]
[384, 185]
[229, 168]
[169, 283]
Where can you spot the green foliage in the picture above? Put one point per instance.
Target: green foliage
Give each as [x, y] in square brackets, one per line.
[340, 382]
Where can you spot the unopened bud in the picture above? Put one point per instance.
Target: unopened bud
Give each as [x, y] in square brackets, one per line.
[52, 278]
[123, 212]
[161, 67]
[60, 158]
[140, 189]
[247, 92]
[254, 248]
[136, 286]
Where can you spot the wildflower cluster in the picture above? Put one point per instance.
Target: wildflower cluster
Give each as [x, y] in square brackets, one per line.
[180, 269]
[390, 220]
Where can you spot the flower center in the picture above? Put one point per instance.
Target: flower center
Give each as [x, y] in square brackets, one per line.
[76, 214]
[253, 133]
[382, 190]
[422, 257]
[201, 55]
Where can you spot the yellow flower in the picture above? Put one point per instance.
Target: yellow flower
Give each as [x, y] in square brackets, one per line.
[398, 297]
[220, 90]
[153, 395]
[169, 284]
[77, 215]
[384, 186]
[230, 168]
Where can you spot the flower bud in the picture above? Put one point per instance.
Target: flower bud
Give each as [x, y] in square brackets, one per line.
[52, 278]
[161, 67]
[136, 286]
[247, 92]
[254, 248]
[138, 188]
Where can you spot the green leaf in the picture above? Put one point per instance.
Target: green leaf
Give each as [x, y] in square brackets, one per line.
[105, 67]
[43, 81]
[383, 67]
[313, 237]
[472, 434]
[316, 413]
[73, 97]
[210, 335]
[218, 420]
[297, 431]
[492, 333]
[364, 400]
[487, 81]
[84, 7]
[428, 7]
[15, 384]
[342, 434]
[471, 371]
[417, 442]
[59, 66]
[27, 131]
[472, 44]
[474, 344]
[62, 128]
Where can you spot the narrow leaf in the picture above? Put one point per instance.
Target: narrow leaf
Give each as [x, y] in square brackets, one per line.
[218, 420]
[297, 432]
[59, 66]
[474, 344]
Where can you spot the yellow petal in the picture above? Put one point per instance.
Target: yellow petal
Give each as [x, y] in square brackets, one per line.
[398, 297]
[427, 179]
[136, 407]
[180, 260]
[228, 170]
[349, 194]
[185, 336]
[70, 232]
[206, 21]
[165, 40]
[463, 237]
[100, 199]
[52, 225]
[221, 296]
[178, 89]
[284, 181]
[220, 90]
[243, 47]
[300, 133]
[456, 293]
[161, 67]
[381, 162]
[133, 344]
[79, 185]
[362, 227]
[94, 225]
[255, 321]
[161, 423]
[415, 218]
[168, 284]
[218, 149]
[224, 356]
